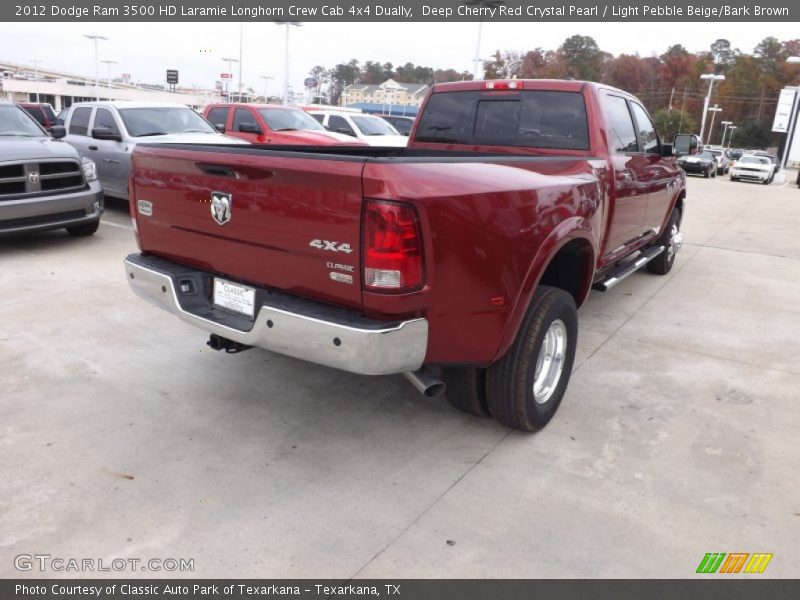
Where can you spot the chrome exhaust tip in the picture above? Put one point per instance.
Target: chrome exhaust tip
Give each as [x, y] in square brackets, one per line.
[425, 382]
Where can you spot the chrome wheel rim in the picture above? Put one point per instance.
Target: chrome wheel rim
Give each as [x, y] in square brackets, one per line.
[550, 362]
[675, 242]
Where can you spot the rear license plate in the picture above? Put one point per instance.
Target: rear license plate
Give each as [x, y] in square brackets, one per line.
[232, 296]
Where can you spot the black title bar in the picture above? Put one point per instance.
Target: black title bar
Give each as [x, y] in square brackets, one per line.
[403, 10]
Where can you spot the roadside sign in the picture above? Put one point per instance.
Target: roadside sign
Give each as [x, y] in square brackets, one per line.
[226, 75]
[783, 113]
[172, 76]
[310, 82]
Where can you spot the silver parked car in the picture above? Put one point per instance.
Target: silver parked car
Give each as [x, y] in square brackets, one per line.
[107, 132]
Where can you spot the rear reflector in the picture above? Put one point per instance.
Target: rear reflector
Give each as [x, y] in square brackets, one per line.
[392, 247]
[503, 85]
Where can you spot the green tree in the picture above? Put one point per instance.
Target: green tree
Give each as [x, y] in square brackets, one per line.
[583, 57]
[753, 134]
[671, 122]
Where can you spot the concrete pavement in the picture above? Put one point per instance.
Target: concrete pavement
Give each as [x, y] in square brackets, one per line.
[123, 436]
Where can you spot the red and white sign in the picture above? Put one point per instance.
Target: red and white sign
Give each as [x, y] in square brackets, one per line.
[226, 75]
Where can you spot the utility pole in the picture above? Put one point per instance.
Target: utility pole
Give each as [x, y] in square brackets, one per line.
[669, 110]
[229, 75]
[241, 42]
[286, 59]
[683, 110]
[108, 64]
[36, 62]
[96, 37]
[711, 79]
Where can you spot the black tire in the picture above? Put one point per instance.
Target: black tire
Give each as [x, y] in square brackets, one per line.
[510, 381]
[662, 264]
[734, 178]
[713, 172]
[84, 230]
[466, 389]
[767, 181]
[707, 174]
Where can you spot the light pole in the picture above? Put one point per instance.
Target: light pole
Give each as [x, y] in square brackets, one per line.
[96, 37]
[714, 109]
[36, 62]
[266, 79]
[229, 75]
[711, 79]
[730, 137]
[288, 24]
[477, 70]
[725, 123]
[241, 43]
[108, 65]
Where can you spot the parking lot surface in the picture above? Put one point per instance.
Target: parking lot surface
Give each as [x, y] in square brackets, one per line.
[124, 436]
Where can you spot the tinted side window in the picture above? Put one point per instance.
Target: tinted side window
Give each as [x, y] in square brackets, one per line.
[647, 132]
[218, 116]
[533, 119]
[623, 134]
[319, 118]
[79, 124]
[335, 123]
[243, 116]
[103, 119]
[36, 113]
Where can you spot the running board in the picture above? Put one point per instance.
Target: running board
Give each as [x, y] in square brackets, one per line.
[623, 271]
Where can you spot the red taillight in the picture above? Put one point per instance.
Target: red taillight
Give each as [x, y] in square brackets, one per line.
[392, 247]
[502, 85]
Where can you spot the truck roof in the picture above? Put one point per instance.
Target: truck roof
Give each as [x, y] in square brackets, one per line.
[565, 85]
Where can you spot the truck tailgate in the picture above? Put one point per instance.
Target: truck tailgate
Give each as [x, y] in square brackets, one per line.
[294, 222]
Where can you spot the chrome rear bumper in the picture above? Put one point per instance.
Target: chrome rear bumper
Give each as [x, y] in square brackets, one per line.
[285, 324]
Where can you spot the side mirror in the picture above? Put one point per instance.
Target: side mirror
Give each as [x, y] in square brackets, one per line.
[250, 128]
[220, 127]
[103, 133]
[685, 143]
[57, 132]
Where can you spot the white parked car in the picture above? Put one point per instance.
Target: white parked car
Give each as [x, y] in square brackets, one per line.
[107, 132]
[367, 128]
[753, 168]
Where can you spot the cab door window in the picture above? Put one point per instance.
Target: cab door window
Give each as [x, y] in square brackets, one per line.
[244, 121]
[104, 119]
[79, 123]
[218, 116]
[622, 134]
[648, 137]
[338, 124]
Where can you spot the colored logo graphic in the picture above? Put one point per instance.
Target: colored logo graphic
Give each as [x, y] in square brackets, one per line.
[735, 562]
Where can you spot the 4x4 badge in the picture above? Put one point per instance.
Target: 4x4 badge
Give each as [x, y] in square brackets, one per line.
[221, 207]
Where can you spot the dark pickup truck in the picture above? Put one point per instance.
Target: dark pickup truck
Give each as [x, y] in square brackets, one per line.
[44, 184]
[469, 251]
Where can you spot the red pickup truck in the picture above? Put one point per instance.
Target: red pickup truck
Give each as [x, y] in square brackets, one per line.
[469, 251]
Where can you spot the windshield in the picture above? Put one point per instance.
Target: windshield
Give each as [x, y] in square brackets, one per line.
[755, 160]
[163, 120]
[289, 119]
[16, 122]
[374, 126]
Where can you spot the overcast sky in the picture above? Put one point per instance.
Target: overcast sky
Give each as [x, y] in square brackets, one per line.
[145, 50]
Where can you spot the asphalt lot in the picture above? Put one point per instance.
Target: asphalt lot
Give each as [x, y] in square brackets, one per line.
[123, 436]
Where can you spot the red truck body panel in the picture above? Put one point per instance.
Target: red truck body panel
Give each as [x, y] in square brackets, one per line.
[491, 219]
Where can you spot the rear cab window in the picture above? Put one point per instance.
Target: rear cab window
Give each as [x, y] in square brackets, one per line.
[526, 118]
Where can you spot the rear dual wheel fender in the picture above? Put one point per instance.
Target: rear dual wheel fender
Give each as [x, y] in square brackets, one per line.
[525, 387]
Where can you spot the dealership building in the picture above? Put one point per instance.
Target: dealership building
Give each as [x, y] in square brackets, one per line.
[24, 83]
